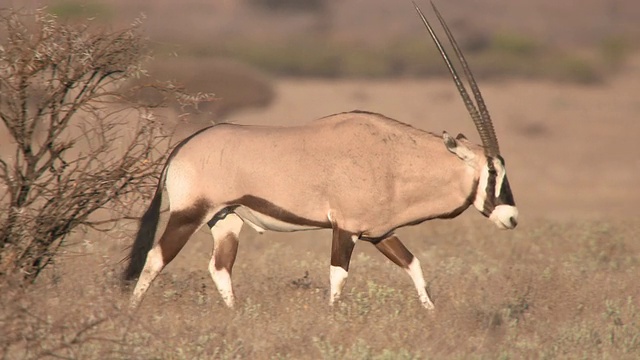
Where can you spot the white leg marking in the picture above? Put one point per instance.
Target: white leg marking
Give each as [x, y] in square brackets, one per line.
[227, 229]
[415, 271]
[152, 267]
[338, 276]
[222, 279]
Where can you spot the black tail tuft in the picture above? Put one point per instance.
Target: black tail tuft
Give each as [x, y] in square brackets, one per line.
[144, 238]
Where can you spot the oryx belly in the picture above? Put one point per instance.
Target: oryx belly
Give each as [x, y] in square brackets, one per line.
[262, 222]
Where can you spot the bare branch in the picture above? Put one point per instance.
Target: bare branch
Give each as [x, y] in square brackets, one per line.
[81, 142]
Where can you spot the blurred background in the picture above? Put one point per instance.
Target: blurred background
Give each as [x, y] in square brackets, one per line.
[215, 44]
[560, 77]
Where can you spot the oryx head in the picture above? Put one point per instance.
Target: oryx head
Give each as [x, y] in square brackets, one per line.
[493, 196]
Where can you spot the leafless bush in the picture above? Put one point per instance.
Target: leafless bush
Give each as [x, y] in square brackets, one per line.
[76, 142]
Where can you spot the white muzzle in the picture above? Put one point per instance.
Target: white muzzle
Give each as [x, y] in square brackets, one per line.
[505, 216]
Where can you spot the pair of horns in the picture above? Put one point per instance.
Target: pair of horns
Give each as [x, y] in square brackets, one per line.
[479, 114]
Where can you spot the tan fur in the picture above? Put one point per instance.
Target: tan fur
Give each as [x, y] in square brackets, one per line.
[374, 173]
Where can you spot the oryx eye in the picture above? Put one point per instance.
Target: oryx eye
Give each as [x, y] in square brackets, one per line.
[491, 168]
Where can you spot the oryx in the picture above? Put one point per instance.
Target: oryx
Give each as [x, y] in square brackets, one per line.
[361, 174]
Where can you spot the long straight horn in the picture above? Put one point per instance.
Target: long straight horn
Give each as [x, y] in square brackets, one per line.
[481, 118]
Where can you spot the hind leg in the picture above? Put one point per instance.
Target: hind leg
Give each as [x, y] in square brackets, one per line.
[225, 247]
[182, 224]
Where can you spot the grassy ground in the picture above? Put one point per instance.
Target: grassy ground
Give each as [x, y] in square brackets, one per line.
[547, 290]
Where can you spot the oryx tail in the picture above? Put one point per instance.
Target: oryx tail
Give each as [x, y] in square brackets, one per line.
[148, 224]
[146, 233]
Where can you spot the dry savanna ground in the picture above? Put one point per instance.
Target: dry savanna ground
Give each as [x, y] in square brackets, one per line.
[564, 284]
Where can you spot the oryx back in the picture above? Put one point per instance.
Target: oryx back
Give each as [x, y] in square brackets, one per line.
[372, 171]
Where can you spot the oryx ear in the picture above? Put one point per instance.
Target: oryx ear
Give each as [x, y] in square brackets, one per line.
[461, 137]
[456, 147]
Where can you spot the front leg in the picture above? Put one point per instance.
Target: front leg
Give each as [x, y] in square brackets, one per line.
[395, 250]
[341, 250]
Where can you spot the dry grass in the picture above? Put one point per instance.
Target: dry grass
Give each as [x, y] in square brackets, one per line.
[548, 290]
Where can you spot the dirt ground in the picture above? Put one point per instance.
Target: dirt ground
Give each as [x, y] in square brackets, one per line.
[562, 285]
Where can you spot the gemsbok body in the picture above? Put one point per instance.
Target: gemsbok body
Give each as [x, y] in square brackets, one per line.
[361, 174]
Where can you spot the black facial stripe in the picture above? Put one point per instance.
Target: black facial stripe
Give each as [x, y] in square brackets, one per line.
[506, 197]
[490, 190]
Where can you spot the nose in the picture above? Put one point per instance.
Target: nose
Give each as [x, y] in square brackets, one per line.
[513, 221]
